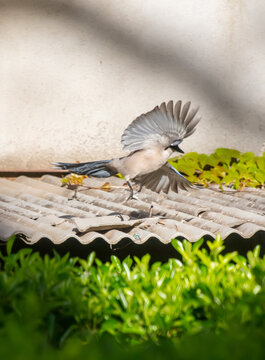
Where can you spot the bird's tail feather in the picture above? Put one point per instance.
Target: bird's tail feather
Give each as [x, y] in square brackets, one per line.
[100, 169]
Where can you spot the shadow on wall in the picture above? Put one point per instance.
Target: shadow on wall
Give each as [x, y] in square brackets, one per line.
[135, 46]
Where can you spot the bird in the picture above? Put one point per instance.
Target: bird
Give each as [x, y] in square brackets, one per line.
[151, 140]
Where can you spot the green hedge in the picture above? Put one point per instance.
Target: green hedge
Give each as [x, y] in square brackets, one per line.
[63, 298]
[20, 343]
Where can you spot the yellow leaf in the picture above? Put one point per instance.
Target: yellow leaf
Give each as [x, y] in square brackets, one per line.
[74, 179]
[105, 187]
[65, 181]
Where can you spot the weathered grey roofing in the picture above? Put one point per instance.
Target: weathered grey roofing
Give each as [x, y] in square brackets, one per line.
[44, 209]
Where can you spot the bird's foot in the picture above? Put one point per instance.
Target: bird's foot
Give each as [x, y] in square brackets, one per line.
[133, 197]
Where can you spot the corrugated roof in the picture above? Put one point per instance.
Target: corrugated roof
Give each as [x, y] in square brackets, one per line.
[44, 209]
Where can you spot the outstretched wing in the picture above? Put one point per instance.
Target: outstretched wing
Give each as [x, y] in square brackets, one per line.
[164, 124]
[164, 179]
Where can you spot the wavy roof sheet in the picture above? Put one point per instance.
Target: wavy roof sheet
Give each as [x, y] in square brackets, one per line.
[44, 209]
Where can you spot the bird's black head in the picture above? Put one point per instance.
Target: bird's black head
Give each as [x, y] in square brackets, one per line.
[175, 146]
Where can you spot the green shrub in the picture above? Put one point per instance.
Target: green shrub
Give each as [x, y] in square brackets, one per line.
[64, 297]
[18, 343]
[224, 167]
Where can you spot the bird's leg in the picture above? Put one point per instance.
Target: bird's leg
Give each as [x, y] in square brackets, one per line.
[131, 190]
[140, 186]
[132, 196]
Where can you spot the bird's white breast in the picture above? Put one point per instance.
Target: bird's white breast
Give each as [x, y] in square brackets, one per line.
[143, 161]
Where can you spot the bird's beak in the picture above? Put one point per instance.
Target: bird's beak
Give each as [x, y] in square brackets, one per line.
[176, 148]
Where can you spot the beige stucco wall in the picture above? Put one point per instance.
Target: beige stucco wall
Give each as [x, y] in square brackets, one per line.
[74, 73]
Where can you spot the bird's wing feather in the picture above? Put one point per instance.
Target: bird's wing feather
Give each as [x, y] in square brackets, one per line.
[164, 124]
[164, 179]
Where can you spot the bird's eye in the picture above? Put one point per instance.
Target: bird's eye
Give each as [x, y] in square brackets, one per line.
[176, 143]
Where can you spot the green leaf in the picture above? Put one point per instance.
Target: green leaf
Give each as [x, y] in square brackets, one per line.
[260, 160]
[226, 155]
[260, 176]
[10, 243]
[115, 260]
[203, 160]
[177, 244]
[213, 160]
[197, 245]
[123, 299]
[256, 251]
[90, 259]
[186, 168]
[66, 334]
[127, 270]
[247, 157]
[128, 260]
[111, 325]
